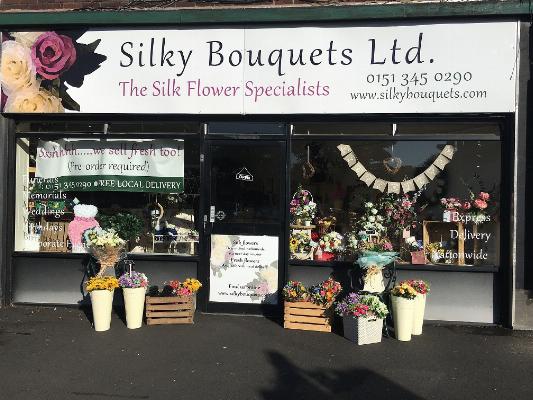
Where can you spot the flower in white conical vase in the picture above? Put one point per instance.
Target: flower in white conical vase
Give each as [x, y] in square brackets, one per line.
[403, 297]
[101, 290]
[134, 286]
[422, 289]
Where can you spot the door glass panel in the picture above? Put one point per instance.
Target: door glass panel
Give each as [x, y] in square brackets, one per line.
[245, 183]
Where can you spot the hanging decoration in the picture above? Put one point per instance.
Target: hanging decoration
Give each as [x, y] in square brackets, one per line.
[410, 185]
[308, 171]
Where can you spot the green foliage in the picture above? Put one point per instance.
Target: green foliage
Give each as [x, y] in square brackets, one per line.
[128, 226]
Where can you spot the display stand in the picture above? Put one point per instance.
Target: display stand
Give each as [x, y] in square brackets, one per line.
[432, 228]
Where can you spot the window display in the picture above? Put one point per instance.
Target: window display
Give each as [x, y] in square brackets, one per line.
[432, 201]
[146, 190]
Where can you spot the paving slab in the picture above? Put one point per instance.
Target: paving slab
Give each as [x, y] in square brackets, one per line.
[53, 353]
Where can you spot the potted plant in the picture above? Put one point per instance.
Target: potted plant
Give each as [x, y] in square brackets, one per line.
[403, 299]
[105, 245]
[174, 304]
[101, 290]
[133, 286]
[362, 317]
[422, 289]
[127, 225]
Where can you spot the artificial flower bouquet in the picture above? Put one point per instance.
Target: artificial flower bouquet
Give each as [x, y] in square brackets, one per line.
[361, 306]
[174, 304]
[405, 290]
[400, 212]
[422, 289]
[133, 286]
[301, 244]
[371, 221]
[362, 317]
[105, 245]
[302, 206]
[188, 287]
[471, 210]
[331, 245]
[109, 283]
[133, 279]
[435, 251]
[295, 291]
[416, 250]
[101, 290]
[325, 293]
[420, 286]
[403, 304]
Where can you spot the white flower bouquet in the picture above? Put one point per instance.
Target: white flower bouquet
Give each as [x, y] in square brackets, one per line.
[105, 245]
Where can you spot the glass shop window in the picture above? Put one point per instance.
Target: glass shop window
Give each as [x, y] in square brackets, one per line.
[433, 202]
[146, 189]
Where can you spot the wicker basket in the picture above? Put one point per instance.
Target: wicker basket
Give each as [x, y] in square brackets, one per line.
[362, 330]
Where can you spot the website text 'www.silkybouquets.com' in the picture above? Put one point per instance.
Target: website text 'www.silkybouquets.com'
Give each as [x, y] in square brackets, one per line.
[406, 94]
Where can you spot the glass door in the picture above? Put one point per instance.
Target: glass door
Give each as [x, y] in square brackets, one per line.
[244, 227]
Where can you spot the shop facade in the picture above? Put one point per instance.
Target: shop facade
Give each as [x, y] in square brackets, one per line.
[201, 144]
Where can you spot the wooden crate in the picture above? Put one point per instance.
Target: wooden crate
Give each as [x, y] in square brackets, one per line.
[307, 316]
[169, 310]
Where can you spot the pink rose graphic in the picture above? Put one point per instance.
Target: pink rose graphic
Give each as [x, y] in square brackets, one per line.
[467, 205]
[484, 196]
[52, 54]
[478, 203]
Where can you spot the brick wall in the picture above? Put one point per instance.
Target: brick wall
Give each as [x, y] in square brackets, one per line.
[65, 5]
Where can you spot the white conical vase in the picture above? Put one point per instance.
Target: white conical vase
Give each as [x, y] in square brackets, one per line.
[102, 304]
[134, 303]
[419, 308]
[402, 312]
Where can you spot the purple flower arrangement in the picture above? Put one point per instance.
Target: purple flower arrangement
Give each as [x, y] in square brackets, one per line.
[361, 306]
[133, 280]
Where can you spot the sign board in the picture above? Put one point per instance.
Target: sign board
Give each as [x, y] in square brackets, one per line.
[244, 175]
[434, 67]
[244, 269]
[110, 165]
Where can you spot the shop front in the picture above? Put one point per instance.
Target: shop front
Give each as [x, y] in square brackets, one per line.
[246, 156]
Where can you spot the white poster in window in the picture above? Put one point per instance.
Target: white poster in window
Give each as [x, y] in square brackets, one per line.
[244, 269]
[110, 165]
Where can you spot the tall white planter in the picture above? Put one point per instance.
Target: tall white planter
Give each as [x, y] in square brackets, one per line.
[134, 303]
[402, 312]
[418, 313]
[102, 304]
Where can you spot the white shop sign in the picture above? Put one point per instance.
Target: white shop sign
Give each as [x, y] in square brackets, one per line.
[244, 269]
[374, 68]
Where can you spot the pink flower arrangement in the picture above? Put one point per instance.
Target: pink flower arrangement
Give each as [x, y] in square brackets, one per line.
[418, 285]
[473, 209]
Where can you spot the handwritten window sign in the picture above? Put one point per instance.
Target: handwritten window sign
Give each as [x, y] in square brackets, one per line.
[110, 165]
[244, 175]
[244, 269]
